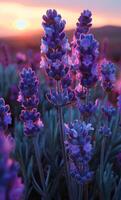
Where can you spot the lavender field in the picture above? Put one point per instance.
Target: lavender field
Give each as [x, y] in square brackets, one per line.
[60, 112]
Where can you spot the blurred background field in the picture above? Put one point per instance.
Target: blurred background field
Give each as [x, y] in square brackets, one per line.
[21, 29]
[110, 36]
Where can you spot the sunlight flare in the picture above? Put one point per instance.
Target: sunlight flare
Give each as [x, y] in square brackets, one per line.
[21, 24]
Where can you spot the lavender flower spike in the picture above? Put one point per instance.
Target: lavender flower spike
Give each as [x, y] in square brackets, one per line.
[28, 95]
[105, 131]
[5, 115]
[29, 99]
[54, 46]
[83, 24]
[61, 99]
[109, 111]
[88, 51]
[108, 71]
[87, 110]
[79, 150]
[82, 27]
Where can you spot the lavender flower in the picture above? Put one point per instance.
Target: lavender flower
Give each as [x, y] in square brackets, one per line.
[54, 49]
[105, 131]
[54, 45]
[28, 97]
[109, 111]
[83, 27]
[11, 186]
[73, 58]
[5, 115]
[32, 122]
[81, 92]
[108, 71]
[83, 24]
[87, 48]
[87, 109]
[79, 150]
[62, 98]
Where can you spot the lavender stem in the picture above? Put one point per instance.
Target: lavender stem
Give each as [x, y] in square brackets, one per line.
[60, 116]
[102, 166]
[40, 168]
[86, 191]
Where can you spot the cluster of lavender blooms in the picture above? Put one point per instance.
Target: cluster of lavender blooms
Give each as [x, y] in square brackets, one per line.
[87, 109]
[108, 71]
[81, 92]
[86, 49]
[84, 23]
[105, 131]
[79, 150]
[82, 27]
[29, 99]
[109, 111]
[11, 186]
[54, 45]
[5, 115]
[60, 61]
[54, 50]
[61, 98]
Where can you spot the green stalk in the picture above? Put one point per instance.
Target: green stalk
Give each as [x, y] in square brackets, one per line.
[80, 192]
[86, 191]
[61, 127]
[40, 168]
[102, 167]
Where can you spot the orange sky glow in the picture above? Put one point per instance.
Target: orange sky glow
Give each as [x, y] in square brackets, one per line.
[16, 18]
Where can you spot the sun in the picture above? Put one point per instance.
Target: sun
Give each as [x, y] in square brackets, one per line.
[21, 24]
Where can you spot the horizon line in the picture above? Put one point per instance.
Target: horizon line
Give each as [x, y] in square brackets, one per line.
[25, 33]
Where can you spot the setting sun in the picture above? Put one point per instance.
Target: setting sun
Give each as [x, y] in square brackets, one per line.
[21, 24]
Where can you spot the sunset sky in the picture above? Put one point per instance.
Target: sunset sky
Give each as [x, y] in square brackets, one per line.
[19, 16]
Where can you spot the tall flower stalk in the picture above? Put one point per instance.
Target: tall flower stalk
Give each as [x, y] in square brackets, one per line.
[108, 74]
[79, 150]
[86, 49]
[29, 99]
[62, 137]
[54, 50]
[84, 23]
